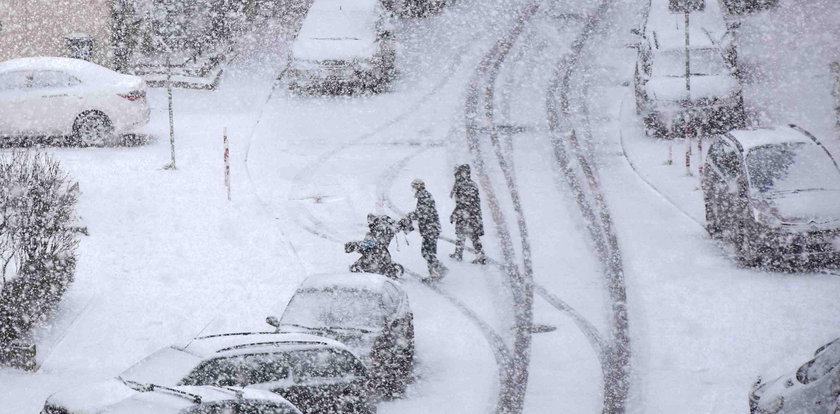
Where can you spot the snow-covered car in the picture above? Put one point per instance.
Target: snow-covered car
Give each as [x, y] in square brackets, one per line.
[775, 194]
[316, 374]
[673, 96]
[54, 96]
[343, 46]
[369, 313]
[813, 389]
[749, 6]
[413, 8]
[134, 398]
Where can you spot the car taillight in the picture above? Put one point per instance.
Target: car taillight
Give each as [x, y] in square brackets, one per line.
[133, 95]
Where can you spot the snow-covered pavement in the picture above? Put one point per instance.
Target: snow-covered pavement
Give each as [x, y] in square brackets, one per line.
[169, 257]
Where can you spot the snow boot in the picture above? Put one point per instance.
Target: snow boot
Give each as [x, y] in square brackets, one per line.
[458, 256]
[480, 259]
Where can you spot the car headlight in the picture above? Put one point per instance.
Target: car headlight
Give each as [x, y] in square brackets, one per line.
[767, 218]
[364, 64]
[775, 406]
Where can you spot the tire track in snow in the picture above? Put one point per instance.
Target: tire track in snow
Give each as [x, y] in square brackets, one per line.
[587, 329]
[572, 162]
[480, 96]
[304, 178]
[494, 340]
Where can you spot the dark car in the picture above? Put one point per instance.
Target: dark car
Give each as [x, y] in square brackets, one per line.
[813, 389]
[748, 6]
[368, 313]
[775, 194]
[150, 398]
[317, 375]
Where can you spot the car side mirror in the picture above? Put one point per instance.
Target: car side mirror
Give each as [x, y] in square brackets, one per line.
[273, 321]
[386, 34]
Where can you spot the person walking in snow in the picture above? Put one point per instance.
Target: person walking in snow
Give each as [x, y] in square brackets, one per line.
[428, 223]
[467, 215]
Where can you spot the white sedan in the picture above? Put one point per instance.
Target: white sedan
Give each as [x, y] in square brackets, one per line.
[53, 96]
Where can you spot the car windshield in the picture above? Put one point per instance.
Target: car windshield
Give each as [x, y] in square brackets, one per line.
[707, 62]
[249, 369]
[790, 167]
[704, 62]
[166, 366]
[335, 307]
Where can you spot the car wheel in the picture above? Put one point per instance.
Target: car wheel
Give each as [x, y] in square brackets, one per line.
[93, 129]
[712, 222]
[745, 252]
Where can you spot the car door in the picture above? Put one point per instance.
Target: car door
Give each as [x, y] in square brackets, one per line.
[13, 91]
[56, 101]
[730, 191]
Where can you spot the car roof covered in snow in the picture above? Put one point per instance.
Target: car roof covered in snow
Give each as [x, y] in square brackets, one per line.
[357, 281]
[84, 70]
[756, 137]
[251, 342]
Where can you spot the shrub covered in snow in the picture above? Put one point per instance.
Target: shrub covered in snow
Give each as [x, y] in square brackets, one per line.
[37, 242]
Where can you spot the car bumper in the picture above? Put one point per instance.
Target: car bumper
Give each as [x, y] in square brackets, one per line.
[819, 248]
[331, 77]
[711, 119]
[133, 118]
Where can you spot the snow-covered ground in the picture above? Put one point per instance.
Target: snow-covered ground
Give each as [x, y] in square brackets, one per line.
[169, 257]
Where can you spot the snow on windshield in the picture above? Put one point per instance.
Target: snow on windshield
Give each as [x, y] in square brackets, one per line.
[787, 167]
[704, 62]
[347, 308]
[166, 366]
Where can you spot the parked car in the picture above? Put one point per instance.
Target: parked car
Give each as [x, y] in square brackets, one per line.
[53, 96]
[316, 374]
[414, 8]
[674, 98]
[813, 389]
[748, 6]
[343, 46]
[369, 313]
[158, 399]
[775, 194]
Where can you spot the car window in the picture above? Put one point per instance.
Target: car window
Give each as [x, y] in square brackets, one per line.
[52, 79]
[245, 407]
[240, 370]
[391, 299]
[14, 80]
[787, 167]
[325, 363]
[726, 159]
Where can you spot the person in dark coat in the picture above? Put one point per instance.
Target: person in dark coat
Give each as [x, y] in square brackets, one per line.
[467, 214]
[428, 223]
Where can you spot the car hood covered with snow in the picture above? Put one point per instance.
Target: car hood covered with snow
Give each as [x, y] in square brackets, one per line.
[93, 397]
[819, 208]
[673, 89]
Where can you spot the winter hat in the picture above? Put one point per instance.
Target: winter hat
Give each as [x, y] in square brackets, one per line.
[463, 168]
[418, 184]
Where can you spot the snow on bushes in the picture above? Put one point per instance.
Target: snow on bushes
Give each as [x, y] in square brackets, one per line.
[38, 243]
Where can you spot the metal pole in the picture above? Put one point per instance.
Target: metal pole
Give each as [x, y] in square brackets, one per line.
[687, 60]
[835, 69]
[171, 165]
[227, 163]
